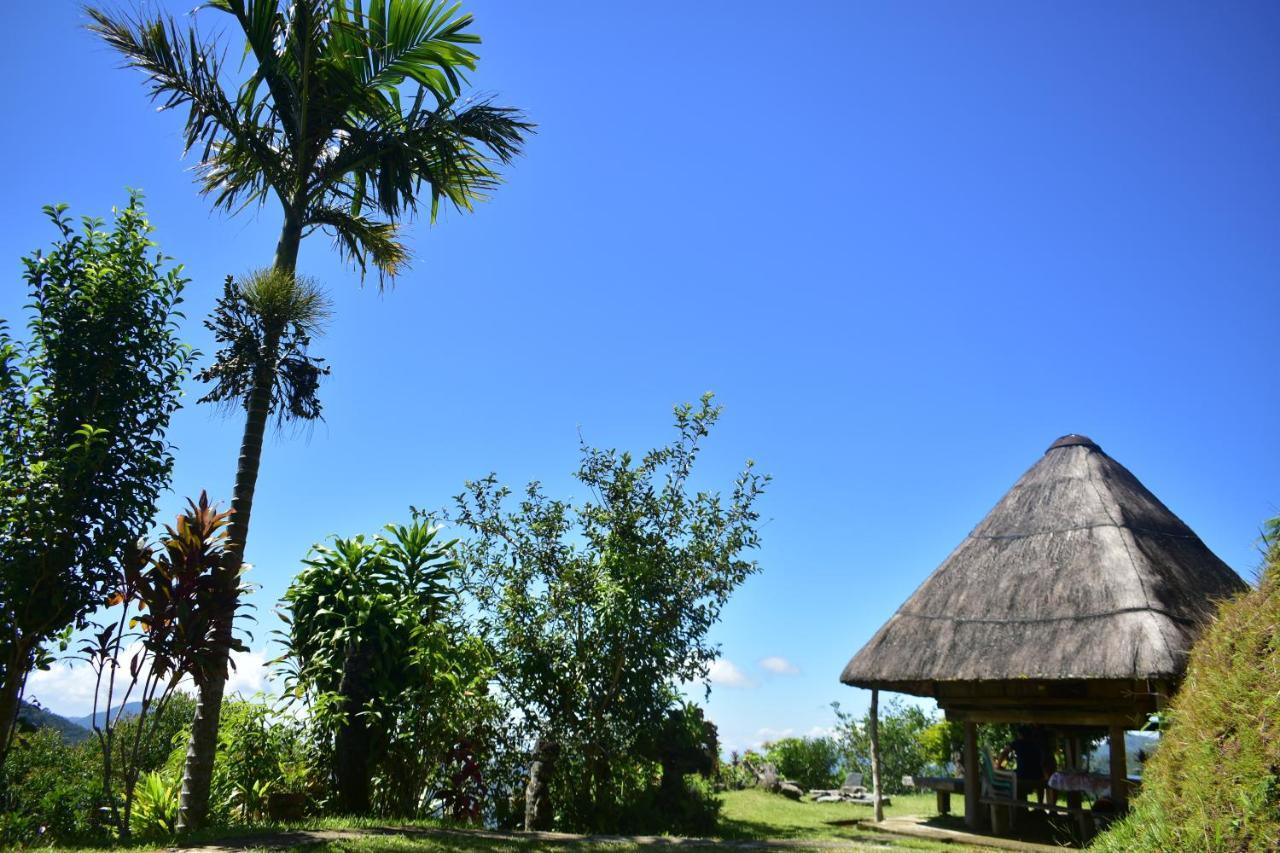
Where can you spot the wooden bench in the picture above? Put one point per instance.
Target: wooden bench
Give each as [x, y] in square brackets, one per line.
[943, 787]
[1003, 810]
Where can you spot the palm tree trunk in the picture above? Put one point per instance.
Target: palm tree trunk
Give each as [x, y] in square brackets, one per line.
[197, 773]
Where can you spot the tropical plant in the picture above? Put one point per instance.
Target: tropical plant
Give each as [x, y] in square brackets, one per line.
[156, 806]
[51, 792]
[84, 406]
[261, 752]
[597, 612]
[383, 671]
[172, 598]
[345, 111]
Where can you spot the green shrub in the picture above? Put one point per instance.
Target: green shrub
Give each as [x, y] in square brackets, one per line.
[812, 762]
[737, 773]
[1214, 783]
[50, 791]
[260, 752]
[155, 806]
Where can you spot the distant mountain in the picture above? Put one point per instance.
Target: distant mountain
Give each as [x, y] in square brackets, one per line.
[34, 717]
[1137, 745]
[87, 721]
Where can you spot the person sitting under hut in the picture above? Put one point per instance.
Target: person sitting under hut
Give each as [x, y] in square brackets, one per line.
[1034, 761]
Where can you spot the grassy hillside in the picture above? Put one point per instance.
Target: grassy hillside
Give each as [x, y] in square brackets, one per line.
[1214, 784]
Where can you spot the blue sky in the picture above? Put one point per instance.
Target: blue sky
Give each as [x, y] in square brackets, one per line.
[907, 244]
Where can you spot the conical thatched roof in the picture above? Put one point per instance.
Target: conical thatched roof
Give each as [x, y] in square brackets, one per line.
[1078, 573]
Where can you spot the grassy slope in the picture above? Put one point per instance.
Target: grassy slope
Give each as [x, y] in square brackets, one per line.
[1214, 784]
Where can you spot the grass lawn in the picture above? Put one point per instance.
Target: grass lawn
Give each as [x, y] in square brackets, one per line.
[746, 815]
[754, 814]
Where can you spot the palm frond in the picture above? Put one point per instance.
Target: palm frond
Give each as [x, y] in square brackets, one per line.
[453, 151]
[362, 240]
[238, 158]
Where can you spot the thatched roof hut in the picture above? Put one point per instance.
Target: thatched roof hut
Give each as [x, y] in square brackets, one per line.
[1074, 602]
[1079, 573]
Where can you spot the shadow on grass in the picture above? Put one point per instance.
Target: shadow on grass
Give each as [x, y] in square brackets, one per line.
[1035, 827]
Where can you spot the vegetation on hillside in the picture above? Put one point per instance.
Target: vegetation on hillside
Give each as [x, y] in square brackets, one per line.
[1214, 784]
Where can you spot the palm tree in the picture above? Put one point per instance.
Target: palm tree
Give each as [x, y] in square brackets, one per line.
[347, 110]
[264, 328]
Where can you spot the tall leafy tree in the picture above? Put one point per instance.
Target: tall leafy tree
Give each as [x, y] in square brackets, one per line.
[84, 406]
[350, 114]
[597, 612]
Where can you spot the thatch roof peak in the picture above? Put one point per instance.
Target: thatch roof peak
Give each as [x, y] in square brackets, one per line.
[1078, 572]
[1074, 440]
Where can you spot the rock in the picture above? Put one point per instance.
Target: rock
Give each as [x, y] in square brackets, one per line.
[767, 778]
[828, 798]
[790, 790]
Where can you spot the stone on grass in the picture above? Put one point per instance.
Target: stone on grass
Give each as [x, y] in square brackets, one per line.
[790, 790]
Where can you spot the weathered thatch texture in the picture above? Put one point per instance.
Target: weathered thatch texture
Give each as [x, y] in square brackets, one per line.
[1078, 572]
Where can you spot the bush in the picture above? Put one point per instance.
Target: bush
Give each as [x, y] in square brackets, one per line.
[812, 762]
[155, 806]
[260, 752]
[1214, 784]
[738, 772]
[51, 791]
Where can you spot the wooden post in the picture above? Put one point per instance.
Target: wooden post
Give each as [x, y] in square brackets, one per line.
[1119, 770]
[875, 755]
[972, 782]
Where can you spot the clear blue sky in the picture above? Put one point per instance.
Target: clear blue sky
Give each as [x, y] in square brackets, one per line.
[908, 245]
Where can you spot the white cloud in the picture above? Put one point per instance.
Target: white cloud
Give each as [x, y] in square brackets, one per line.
[779, 666]
[768, 735]
[726, 673]
[64, 688]
[250, 674]
[67, 687]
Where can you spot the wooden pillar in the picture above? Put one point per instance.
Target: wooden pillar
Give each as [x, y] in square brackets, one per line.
[1119, 770]
[875, 755]
[972, 781]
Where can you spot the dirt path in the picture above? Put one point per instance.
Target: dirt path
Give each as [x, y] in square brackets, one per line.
[299, 838]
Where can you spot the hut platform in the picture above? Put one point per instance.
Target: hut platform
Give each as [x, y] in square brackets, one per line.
[920, 827]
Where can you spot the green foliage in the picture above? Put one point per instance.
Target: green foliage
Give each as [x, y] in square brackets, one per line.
[941, 741]
[813, 762]
[156, 806]
[395, 688]
[265, 324]
[1214, 783]
[596, 612]
[343, 111]
[84, 406]
[51, 791]
[173, 597]
[260, 752]
[739, 771]
[902, 744]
